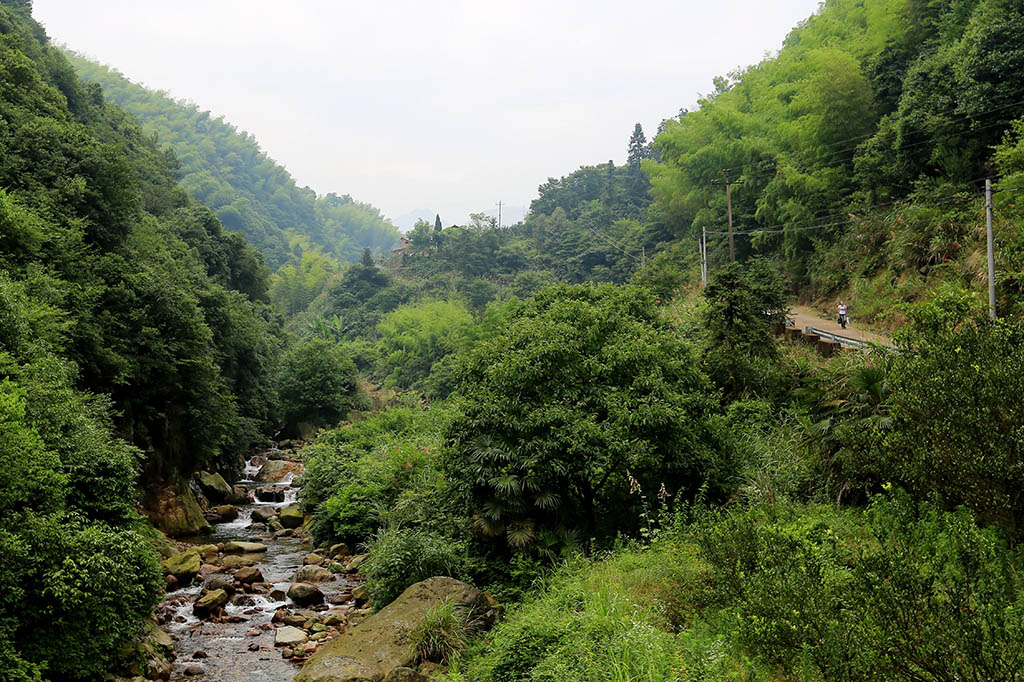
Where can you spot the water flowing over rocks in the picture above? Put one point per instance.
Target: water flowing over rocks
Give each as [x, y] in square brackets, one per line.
[231, 608]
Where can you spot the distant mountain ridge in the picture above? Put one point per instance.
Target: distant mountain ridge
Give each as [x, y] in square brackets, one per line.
[224, 169]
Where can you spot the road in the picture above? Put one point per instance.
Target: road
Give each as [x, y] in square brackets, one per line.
[804, 316]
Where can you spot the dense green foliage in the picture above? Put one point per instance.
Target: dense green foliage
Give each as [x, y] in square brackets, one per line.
[585, 395]
[901, 592]
[670, 491]
[224, 169]
[869, 102]
[318, 384]
[131, 322]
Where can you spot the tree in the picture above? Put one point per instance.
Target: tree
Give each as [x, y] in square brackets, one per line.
[367, 260]
[953, 429]
[637, 147]
[318, 384]
[744, 300]
[586, 396]
[437, 222]
[416, 336]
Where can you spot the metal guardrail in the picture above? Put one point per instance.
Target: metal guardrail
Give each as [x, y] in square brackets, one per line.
[844, 340]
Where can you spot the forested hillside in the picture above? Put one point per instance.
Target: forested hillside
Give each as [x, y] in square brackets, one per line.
[224, 169]
[858, 153]
[648, 477]
[135, 339]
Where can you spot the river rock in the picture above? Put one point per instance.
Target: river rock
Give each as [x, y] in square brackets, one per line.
[233, 561]
[380, 644]
[239, 547]
[263, 514]
[270, 493]
[220, 581]
[360, 594]
[249, 574]
[174, 511]
[274, 525]
[291, 516]
[194, 669]
[222, 514]
[405, 675]
[276, 470]
[305, 594]
[209, 602]
[338, 551]
[288, 636]
[183, 566]
[355, 562]
[209, 551]
[214, 486]
[312, 559]
[312, 574]
[239, 495]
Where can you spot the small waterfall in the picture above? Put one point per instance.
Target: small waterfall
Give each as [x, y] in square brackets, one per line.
[249, 474]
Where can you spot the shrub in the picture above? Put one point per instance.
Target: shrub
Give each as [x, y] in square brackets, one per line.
[317, 383]
[586, 387]
[954, 425]
[400, 557]
[925, 594]
[377, 469]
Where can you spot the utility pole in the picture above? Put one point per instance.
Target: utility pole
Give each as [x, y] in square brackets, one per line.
[704, 256]
[991, 253]
[728, 198]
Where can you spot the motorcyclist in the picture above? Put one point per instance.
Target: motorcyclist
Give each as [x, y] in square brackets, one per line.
[843, 320]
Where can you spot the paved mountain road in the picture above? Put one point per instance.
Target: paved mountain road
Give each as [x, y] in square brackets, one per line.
[804, 316]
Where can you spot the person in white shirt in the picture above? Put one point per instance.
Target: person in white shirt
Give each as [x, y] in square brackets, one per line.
[843, 319]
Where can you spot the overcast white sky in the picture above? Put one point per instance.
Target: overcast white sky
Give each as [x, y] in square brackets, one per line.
[447, 105]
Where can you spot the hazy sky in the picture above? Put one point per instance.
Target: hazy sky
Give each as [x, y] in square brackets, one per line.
[446, 105]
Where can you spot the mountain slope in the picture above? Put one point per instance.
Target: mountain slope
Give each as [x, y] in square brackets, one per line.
[224, 169]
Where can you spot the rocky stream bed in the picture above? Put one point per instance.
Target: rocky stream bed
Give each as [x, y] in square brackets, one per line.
[252, 600]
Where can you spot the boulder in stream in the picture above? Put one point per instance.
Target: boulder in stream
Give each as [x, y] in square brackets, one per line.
[220, 581]
[248, 574]
[288, 636]
[209, 602]
[183, 566]
[312, 574]
[224, 513]
[291, 516]
[239, 547]
[214, 486]
[175, 512]
[263, 514]
[270, 493]
[372, 651]
[312, 559]
[233, 561]
[276, 470]
[305, 594]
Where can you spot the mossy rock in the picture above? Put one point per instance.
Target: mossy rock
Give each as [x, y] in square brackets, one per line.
[209, 602]
[380, 644]
[291, 516]
[214, 486]
[183, 566]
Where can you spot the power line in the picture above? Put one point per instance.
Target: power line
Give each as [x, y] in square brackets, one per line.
[777, 229]
[917, 131]
[820, 216]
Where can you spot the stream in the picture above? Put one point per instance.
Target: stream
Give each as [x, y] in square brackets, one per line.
[238, 645]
